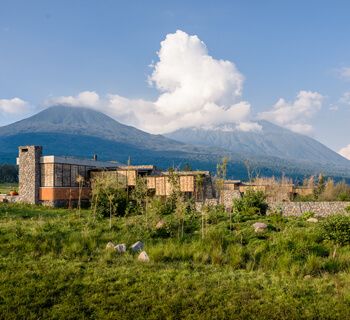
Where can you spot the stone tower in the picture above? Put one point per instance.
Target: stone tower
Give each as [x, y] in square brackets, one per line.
[29, 173]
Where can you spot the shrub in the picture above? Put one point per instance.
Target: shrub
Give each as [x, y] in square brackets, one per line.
[109, 197]
[307, 214]
[253, 202]
[335, 191]
[336, 228]
[306, 198]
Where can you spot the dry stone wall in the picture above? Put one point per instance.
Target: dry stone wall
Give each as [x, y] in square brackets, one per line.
[227, 197]
[320, 209]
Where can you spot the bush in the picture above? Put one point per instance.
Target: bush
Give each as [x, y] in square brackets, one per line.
[109, 197]
[252, 203]
[307, 198]
[336, 228]
[308, 214]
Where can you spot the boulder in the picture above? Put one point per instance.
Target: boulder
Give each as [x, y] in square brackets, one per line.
[120, 248]
[160, 224]
[313, 220]
[143, 257]
[110, 246]
[137, 246]
[259, 226]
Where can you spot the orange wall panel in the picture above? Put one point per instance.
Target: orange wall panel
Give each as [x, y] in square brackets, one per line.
[61, 193]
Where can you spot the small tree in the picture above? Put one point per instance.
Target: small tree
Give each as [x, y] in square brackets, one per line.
[221, 173]
[320, 186]
[336, 229]
[178, 200]
[253, 202]
[139, 194]
[108, 195]
[80, 180]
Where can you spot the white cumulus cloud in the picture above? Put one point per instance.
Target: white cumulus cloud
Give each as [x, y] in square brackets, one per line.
[345, 152]
[13, 110]
[195, 89]
[295, 115]
[83, 99]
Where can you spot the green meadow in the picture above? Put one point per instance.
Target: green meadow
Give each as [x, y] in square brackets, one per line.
[54, 265]
[7, 187]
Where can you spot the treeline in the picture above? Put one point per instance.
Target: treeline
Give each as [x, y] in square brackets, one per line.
[326, 190]
[8, 173]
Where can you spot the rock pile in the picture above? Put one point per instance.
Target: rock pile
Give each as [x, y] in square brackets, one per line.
[136, 247]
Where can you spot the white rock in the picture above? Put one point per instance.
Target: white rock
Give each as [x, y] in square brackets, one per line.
[110, 246]
[121, 248]
[143, 257]
[160, 224]
[137, 246]
[259, 226]
[313, 220]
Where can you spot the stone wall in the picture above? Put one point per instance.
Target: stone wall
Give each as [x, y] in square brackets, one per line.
[320, 209]
[6, 198]
[29, 173]
[227, 197]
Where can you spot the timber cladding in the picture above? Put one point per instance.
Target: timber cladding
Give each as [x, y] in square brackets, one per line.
[124, 177]
[163, 186]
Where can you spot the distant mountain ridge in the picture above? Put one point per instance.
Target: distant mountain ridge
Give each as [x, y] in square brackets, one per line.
[272, 141]
[82, 132]
[84, 121]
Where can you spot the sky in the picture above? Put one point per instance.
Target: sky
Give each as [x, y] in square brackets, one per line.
[163, 65]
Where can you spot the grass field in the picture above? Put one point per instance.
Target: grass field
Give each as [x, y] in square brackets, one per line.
[7, 187]
[54, 265]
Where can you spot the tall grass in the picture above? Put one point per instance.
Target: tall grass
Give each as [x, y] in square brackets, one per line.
[53, 264]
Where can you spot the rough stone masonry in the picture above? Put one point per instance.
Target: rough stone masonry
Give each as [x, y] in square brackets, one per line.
[29, 173]
[320, 209]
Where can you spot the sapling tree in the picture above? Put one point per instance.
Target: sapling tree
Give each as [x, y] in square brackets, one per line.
[108, 195]
[80, 180]
[221, 173]
[336, 228]
[179, 201]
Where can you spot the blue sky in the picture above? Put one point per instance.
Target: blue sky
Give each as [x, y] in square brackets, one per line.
[52, 49]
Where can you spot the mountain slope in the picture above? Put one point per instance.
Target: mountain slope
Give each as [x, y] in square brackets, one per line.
[82, 132]
[272, 141]
[87, 122]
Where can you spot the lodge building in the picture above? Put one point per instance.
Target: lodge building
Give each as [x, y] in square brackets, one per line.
[58, 181]
[61, 181]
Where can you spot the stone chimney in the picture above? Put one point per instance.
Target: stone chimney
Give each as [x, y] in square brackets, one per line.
[29, 173]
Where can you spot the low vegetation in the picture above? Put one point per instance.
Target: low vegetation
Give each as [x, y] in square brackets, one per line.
[209, 265]
[325, 190]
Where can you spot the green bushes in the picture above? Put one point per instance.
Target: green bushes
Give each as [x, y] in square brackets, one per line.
[336, 228]
[253, 202]
[326, 190]
[112, 200]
